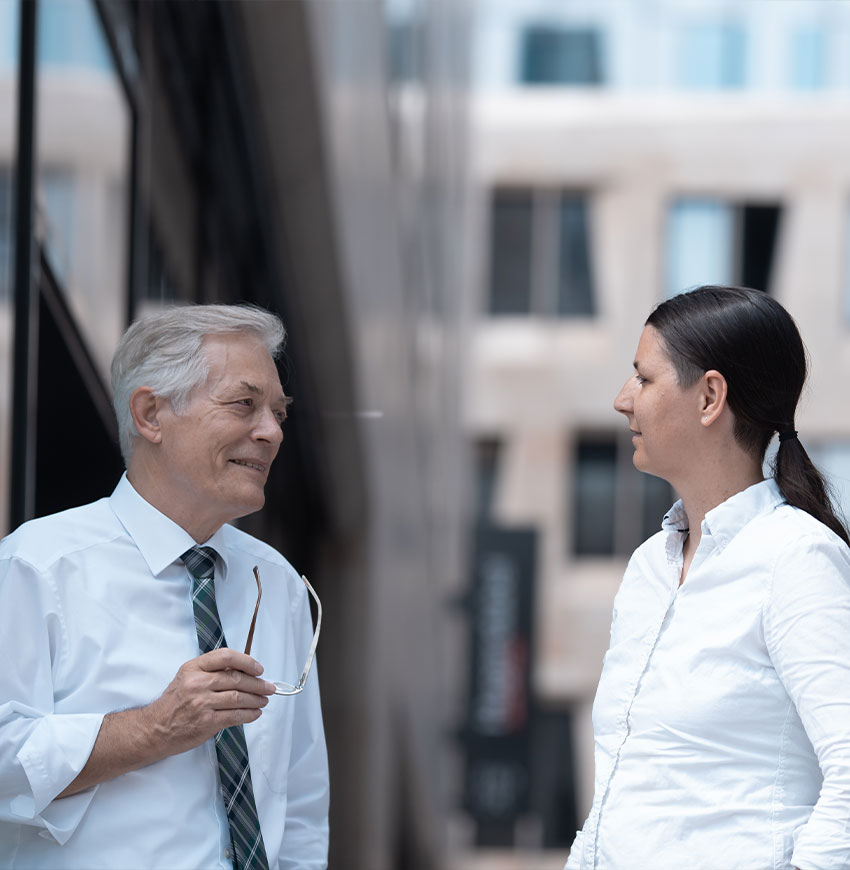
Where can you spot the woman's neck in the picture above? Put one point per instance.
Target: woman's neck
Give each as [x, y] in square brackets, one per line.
[715, 483]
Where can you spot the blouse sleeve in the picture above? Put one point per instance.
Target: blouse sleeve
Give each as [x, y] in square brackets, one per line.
[807, 631]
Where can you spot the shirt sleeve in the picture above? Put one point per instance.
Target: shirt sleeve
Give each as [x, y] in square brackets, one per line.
[807, 631]
[41, 752]
[305, 837]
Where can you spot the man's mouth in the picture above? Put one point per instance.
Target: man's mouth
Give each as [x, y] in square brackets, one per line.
[249, 463]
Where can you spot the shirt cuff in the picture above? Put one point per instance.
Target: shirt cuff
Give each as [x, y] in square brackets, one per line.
[53, 755]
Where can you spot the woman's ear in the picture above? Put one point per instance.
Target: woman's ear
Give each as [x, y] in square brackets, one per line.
[144, 408]
[712, 396]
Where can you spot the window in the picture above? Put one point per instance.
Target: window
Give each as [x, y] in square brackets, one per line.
[575, 294]
[615, 507]
[405, 51]
[711, 241]
[510, 245]
[83, 169]
[559, 56]
[70, 35]
[595, 497]
[9, 27]
[486, 460]
[808, 59]
[540, 253]
[712, 55]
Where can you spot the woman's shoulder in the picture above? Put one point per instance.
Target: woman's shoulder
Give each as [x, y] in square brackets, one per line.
[805, 558]
[787, 528]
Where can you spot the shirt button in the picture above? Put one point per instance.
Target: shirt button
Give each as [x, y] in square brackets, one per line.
[228, 854]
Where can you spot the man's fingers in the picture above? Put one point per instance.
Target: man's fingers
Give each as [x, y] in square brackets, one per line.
[229, 659]
[234, 700]
[224, 681]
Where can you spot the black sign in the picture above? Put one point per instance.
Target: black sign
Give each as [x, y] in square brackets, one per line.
[498, 718]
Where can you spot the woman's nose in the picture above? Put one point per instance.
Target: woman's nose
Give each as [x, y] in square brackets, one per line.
[623, 401]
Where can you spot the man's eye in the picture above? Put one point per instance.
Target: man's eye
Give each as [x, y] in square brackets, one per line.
[248, 403]
[640, 378]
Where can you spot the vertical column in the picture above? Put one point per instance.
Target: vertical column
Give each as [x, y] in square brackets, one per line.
[24, 384]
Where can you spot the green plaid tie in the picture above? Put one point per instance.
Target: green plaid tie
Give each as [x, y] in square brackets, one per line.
[248, 850]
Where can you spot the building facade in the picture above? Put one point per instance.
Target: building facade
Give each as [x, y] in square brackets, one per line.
[308, 158]
[622, 152]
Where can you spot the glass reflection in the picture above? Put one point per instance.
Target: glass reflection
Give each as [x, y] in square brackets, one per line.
[83, 167]
[9, 34]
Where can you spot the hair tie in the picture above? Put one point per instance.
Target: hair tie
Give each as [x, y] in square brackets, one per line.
[787, 435]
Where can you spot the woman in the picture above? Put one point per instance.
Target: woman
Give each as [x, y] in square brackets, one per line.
[722, 718]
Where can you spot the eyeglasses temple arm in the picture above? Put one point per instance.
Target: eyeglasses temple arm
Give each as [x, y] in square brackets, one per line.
[256, 610]
[315, 633]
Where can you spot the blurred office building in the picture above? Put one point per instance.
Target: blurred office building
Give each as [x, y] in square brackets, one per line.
[620, 152]
[309, 158]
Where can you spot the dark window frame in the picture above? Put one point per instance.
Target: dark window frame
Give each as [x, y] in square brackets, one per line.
[544, 268]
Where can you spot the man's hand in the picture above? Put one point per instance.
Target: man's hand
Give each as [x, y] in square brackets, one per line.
[212, 692]
[209, 693]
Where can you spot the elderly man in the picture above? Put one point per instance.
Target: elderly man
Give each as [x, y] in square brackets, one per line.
[134, 733]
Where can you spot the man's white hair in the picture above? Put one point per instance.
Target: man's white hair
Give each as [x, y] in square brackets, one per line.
[164, 351]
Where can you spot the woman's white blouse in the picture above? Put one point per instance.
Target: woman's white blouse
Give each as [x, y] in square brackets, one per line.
[722, 718]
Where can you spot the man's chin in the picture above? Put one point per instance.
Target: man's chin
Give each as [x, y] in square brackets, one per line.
[249, 505]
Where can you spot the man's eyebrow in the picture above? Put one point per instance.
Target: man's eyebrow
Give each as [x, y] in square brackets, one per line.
[252, 388]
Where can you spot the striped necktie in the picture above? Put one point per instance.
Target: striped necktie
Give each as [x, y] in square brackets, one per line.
[230, 747]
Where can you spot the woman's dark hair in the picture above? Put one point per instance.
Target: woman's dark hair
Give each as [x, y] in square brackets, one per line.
[754, 343]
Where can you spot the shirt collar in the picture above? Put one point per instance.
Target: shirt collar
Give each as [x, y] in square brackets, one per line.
[159, 539]
[729, 517]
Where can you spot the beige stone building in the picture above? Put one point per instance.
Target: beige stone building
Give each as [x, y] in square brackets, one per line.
[603, 184]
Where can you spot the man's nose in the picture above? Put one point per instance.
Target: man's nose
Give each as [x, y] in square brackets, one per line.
[268, 427]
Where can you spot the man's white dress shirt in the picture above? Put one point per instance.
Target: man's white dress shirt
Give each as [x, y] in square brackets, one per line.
[96, 616]
[722, 718]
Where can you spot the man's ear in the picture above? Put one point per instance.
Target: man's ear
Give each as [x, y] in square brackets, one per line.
[145, 407]
[712, 396]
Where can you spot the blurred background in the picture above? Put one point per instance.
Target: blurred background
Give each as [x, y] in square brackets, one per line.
[463, 210]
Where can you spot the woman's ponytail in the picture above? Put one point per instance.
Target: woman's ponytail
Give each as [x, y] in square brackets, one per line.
[803, 486]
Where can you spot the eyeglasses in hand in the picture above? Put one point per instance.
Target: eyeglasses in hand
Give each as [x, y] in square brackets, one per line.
[281, 688]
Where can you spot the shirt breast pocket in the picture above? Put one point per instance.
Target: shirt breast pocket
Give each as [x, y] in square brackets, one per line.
[273, 732]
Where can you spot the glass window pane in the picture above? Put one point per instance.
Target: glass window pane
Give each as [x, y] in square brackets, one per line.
[9, 26]
[486, 471]
[575, 286]
[808, 58]
[699, 244]
[594, 497]
[82, 169]
[760, 224]
[510, 252]
[552, 55]
[712, 55]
